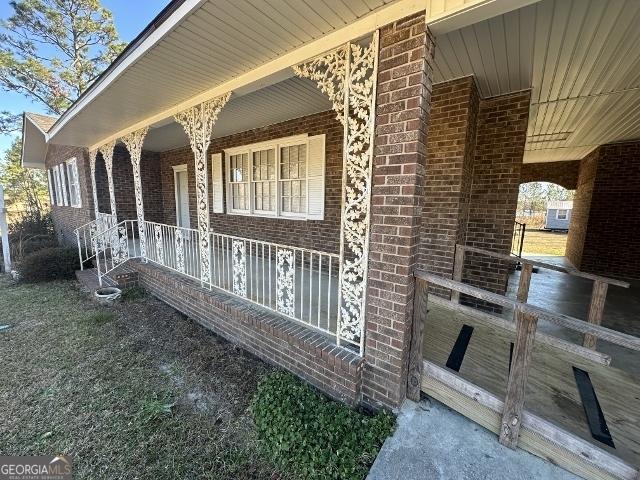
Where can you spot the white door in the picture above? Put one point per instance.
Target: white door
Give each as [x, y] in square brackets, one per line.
[182, 198]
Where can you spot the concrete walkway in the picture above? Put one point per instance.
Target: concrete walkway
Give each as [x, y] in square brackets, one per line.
[433, 442]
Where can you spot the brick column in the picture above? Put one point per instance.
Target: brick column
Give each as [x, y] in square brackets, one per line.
[451, 147]
[402, 114]
[500, 141]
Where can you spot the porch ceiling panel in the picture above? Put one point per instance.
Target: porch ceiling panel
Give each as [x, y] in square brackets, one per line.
[216, 42]
[286, 100]
[580, 58]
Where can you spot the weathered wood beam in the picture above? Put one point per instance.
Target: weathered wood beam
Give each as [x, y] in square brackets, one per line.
[493, 321]
[622, 339]
[596, 310]
[414, 377]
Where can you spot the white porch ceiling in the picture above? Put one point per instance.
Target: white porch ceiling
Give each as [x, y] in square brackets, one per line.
[581, 59]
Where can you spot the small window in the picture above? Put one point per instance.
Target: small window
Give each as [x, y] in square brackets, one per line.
[561, 214]
[293, 179]
[239, 182]
[73, 183]
[263, 180]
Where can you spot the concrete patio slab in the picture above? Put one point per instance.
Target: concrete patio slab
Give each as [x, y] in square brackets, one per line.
[433, 442]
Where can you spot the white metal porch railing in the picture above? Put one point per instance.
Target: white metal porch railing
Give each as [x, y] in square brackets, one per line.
[89, 242]
[299, 283]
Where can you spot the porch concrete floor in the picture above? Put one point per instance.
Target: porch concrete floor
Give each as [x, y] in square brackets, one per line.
[435, 442]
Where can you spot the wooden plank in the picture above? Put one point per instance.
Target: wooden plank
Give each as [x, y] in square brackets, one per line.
[458, 266]
[490, 320]
[415, 353]
[520, 364]
[548, 266]
[596, 309]
[628, 341]
[518, 375]
[538, 436]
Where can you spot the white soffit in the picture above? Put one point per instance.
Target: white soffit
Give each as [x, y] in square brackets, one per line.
[286, 100]
[581, 59]
[215, 43]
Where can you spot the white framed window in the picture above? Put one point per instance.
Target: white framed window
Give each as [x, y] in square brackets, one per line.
[279, 178]
[73, 183]
[63, 180]
[561, 214]
[58, 184]
[52, 191]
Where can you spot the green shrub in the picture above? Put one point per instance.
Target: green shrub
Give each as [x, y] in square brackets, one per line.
[302, 431]
[55, 263]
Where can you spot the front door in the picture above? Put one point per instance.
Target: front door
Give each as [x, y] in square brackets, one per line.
[182, 197]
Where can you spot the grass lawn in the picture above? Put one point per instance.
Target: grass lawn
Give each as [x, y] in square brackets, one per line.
[133, 391]
[539, 242]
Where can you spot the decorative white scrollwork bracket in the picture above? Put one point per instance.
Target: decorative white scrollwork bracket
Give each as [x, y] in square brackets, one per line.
[133, 141]
[107, 155]
[92, 166]
[198, 122]
[348, 76]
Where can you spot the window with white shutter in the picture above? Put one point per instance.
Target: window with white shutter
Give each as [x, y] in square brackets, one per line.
[217, 183]
[58, 183]
[52, 190]
[73, 183]
[279, 178]
[63, 181]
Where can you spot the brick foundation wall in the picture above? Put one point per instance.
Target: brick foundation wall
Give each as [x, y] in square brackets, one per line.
[611, 238]
[450, 151]
[564, 174]
[402, 115]
[323, 235]
[581, 208]
[67, 219]
[500, 140]
[334, 370]
[124, 189]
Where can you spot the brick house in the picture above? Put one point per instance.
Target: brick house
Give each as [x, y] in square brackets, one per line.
[280, 179]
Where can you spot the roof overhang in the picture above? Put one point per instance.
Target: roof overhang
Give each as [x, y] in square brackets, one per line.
[198, 49]
[34, 144]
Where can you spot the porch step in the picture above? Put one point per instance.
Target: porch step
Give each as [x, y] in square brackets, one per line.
[88, 278]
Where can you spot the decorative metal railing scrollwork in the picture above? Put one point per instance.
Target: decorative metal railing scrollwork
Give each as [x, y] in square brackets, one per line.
[348, 76]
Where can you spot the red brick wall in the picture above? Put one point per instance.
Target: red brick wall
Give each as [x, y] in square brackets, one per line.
[581, 208]
[321, 235]
[402, 115]
[450, 151]
[123, 185]
[66, 219]
[310, 355]
[500, 140]
[612, 237]
[564, 174]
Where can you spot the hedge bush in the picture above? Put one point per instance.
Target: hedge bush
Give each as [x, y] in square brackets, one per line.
[55, 263]
[302, 431]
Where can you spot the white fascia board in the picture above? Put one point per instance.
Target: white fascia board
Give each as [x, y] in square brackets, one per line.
[149, 42]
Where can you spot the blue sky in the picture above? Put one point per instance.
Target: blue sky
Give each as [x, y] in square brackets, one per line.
[130, 17]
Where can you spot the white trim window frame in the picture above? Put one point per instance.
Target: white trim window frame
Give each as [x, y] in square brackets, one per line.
[75, 199]
[58, 183]
[564, 216]
[267, 169]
